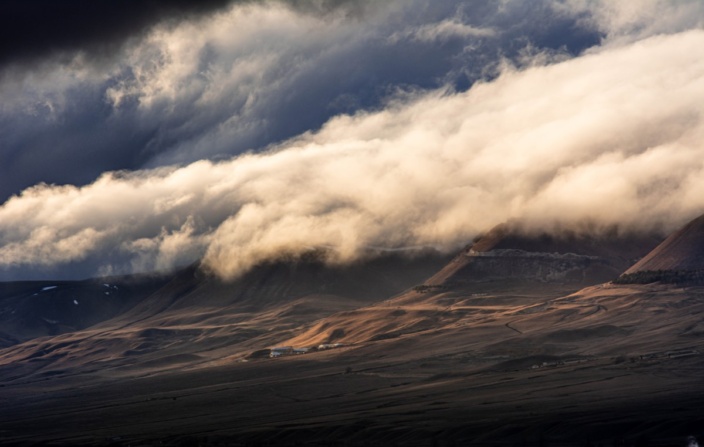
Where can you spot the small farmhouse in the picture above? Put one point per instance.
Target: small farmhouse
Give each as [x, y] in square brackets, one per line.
[281, 350]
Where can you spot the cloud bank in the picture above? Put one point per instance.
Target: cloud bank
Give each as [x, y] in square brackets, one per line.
[211, 86]
[608, 137]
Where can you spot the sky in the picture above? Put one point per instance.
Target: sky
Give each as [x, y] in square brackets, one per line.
[142, 136]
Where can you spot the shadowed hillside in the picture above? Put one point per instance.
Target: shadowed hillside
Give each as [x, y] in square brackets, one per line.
[521, 268]
[508, 252]
[502, 356]
[32, 309]
[193, 318]
[678, 260]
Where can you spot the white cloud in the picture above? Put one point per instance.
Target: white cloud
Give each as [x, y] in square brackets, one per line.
[443, 30]
[629, 21]
[612, 137]
[228, 71]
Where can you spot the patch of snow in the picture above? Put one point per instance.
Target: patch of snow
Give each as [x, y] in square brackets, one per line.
[44, 289]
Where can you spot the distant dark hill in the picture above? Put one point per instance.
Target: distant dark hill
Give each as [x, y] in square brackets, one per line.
[679, 259]
[30, 309]
[507, 252]
[280, 282]
[509, 361]
[193, 317]
[505, 261]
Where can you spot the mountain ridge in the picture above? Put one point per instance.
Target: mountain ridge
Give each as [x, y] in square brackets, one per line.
[493, 360]
[507, 251]
[678, 259]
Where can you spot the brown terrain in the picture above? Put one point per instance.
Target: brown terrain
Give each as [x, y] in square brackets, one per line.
[679, 259]
[518, 340]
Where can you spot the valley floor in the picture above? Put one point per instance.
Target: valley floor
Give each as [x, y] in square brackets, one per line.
[545, 368]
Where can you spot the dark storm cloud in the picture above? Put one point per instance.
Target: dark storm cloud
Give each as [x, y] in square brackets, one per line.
[239, 86]
[32, 29]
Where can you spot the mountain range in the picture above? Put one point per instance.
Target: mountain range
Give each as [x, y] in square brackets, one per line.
[523, 337]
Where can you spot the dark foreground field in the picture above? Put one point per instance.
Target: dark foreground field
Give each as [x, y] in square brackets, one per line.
[492, 369]
[305, 401]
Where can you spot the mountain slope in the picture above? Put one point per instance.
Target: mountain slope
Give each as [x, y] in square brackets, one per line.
[607, 365]
[680, 258]
[499, 361]
[578, 258]
[503, 269]
[32, 309]
[195, 318]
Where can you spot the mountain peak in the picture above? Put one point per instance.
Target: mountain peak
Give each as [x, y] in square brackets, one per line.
[509, 251]
[680, 258]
